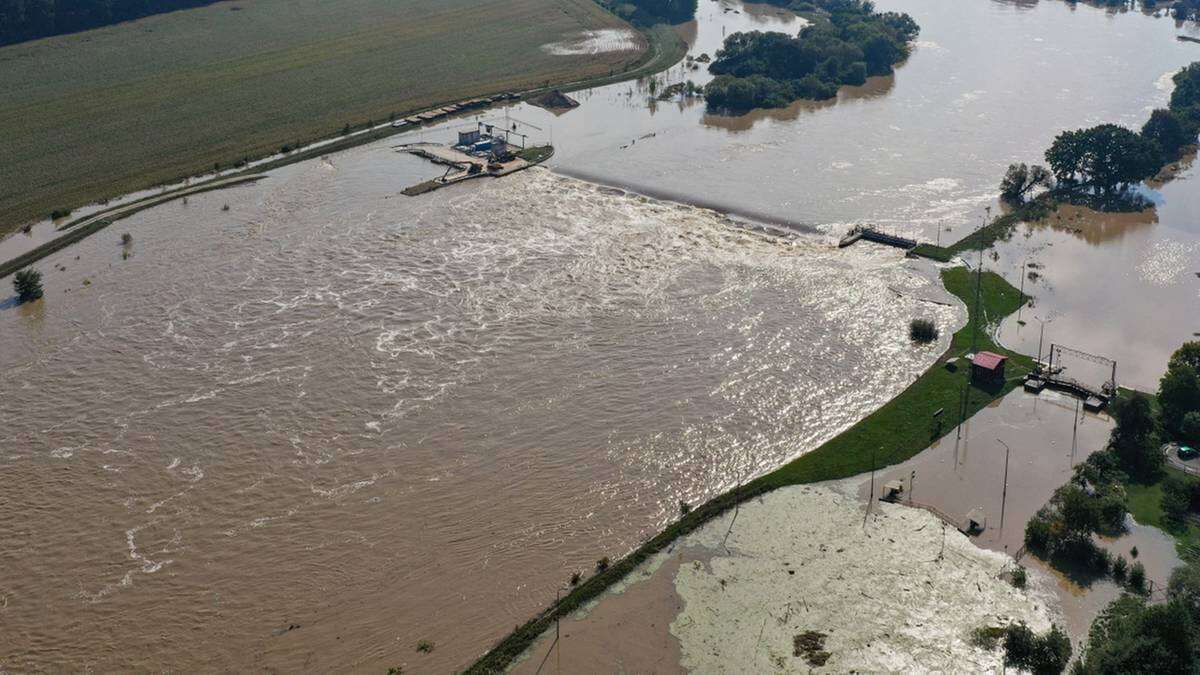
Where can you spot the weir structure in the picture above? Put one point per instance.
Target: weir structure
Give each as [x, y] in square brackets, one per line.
[871, 233]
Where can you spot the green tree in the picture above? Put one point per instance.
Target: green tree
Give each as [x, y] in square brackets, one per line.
[1039, 654]
[1187, 87]
[1170, 132]
[1184, 588]
[1179, 388]
[28, 284]
[1133, 438]
[1187, 354]
[1080, 511]
[1176, 499]
[1133, 637]
[1189, 430]
[1106, 157]
[1021, 179]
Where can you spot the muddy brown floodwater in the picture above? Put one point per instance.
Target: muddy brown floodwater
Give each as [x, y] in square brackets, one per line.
[314, 428]
[1125, 286]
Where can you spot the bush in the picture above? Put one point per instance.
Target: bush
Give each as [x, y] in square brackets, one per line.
[126, 239]
[987, 637]
[576, 577]
[1039, 654]
[923, 331]
[28, 284]
[1019, 577]
[1189, 430]
[1119, 568]
[1137, 578]
[425, 646]
[59, 213]
[602, 564]
[1038, 535]
[1176, 500]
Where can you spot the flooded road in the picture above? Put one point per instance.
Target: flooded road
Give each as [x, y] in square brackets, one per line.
[311, 429]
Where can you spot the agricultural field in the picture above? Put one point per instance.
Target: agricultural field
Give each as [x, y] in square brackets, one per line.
[94, 115]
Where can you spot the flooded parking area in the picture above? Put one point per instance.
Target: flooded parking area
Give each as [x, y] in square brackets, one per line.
[1044, 436]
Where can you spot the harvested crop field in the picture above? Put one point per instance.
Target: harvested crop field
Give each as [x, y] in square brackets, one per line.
[97, 114]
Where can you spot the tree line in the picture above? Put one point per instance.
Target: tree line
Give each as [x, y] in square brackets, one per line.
[847, 43]
[22, 20]
[1101, 163]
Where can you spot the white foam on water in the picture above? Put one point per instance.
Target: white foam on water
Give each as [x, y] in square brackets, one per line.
[594, 42]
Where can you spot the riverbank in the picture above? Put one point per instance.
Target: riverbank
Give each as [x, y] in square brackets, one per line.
[253, 116]
[900, 429]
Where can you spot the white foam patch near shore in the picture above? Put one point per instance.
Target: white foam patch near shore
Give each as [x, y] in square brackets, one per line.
[594, 42]
[881, 589]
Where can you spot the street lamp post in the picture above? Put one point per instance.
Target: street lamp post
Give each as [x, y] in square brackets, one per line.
[1004, 491]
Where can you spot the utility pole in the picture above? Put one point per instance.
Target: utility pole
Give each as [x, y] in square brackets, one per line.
[557, 636]
[978, 283]
[1022, 305]
[1075, 432]
[1004, 492]
[870, 498]
[872, 478]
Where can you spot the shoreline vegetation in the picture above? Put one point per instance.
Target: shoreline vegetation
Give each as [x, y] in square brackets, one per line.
[225, 114]
[846, 42]
[900, 429]
[1145, 629]
[1098, 168]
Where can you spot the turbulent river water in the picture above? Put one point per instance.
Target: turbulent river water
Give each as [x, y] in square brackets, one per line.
[313, 428]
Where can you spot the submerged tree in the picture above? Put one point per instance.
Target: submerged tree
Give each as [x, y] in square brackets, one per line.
[28, 284]
[1105, 157]
[1021, 179]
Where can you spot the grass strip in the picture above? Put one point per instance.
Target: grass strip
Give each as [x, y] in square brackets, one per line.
[900, 429]
[985, 237]
[80, 228]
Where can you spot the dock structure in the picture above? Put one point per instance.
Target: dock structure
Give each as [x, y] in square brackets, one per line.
[1049, 375]
[872, 234]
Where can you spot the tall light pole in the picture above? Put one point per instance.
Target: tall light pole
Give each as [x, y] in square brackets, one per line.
[1041, 334]
[1004, 491]
[979, 279]
[1022, 305]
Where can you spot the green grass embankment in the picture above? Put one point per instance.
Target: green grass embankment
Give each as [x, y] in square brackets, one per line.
[900, 429]
[985, 237]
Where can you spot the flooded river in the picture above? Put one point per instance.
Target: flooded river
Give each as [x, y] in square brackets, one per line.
[313, 428]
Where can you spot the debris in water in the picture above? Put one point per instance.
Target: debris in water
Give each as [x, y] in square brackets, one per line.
[811, 645]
